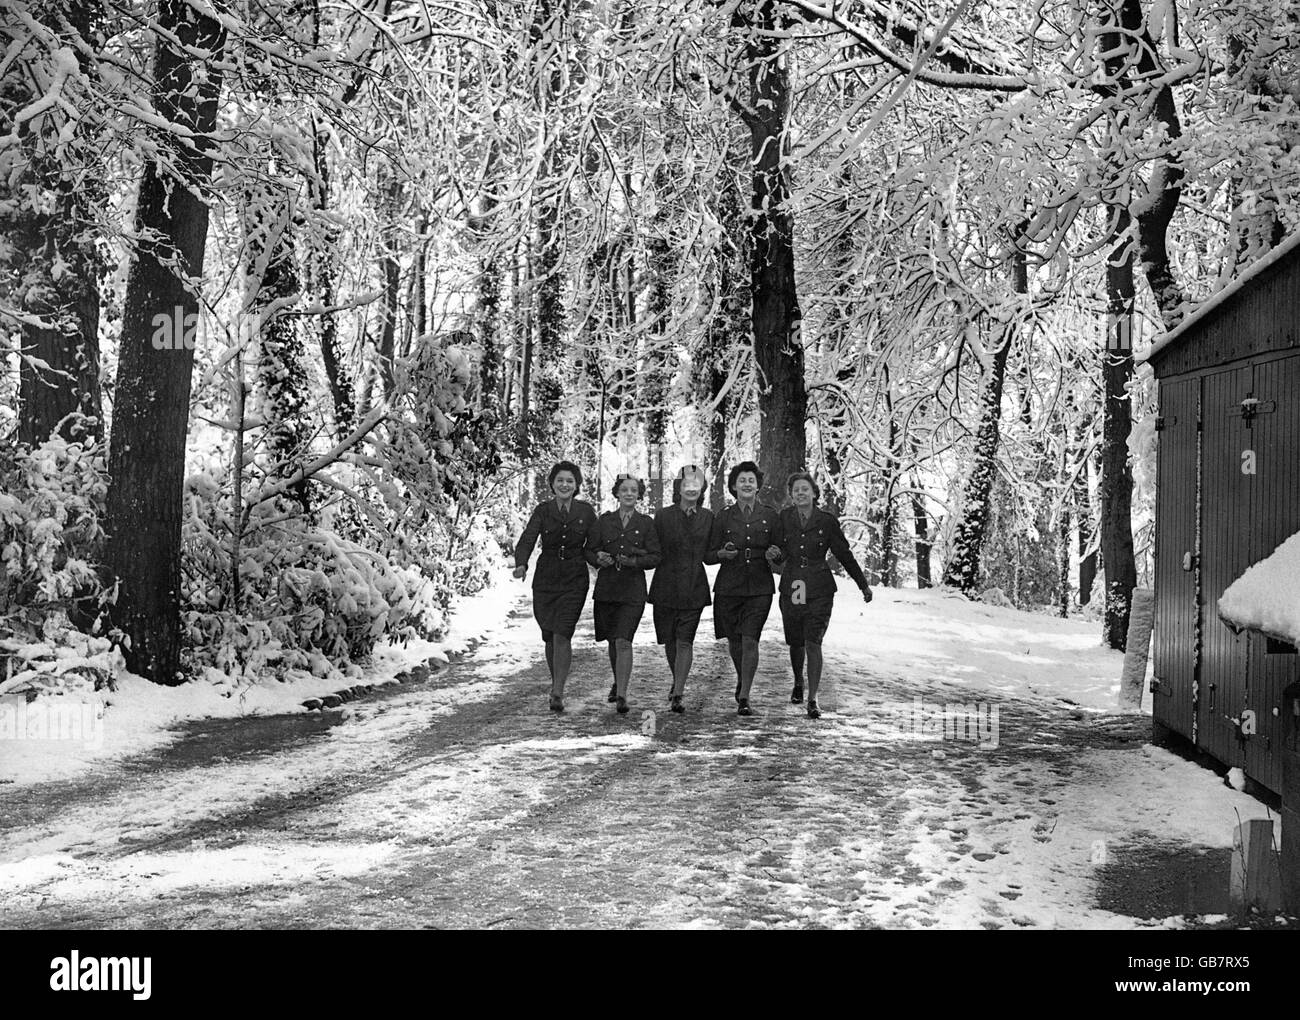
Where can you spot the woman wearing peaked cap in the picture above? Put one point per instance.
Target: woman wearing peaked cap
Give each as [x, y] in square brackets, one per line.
[807, 584]
[623, 545]
[560, 582]
[680, 589]
[746, 539]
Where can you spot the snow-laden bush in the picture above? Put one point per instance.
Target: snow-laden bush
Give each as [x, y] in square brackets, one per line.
[51, 537]
[306, 597]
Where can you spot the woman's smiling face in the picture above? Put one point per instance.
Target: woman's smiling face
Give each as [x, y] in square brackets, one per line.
[802, 493]
[564, 485]
[746, 485]
[692, 486]
[629, 491]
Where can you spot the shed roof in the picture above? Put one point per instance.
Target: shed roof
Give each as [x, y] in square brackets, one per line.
[1208, 309]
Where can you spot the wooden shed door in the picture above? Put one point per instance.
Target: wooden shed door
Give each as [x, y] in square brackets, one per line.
[1274, 438]
[1226, 526]
[1175, 624]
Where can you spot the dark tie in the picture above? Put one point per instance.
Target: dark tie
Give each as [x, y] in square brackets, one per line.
[744, 512]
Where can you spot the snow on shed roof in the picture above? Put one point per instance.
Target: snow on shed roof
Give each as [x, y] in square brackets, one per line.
[1212, 303]
[1266, 597]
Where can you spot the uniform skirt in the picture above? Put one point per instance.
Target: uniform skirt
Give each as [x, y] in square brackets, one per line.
[736, 616]
[676, 625]
[806, 623]
[557, 612]
[617, 619]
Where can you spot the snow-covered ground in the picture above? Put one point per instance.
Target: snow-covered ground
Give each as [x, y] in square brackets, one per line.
[140, 716]
[465, 801]
[938, 635]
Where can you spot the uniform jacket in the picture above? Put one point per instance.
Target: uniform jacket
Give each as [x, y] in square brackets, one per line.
[749, 573]
[805, 548]
[638, 540]
[680, 581]
[562, 563]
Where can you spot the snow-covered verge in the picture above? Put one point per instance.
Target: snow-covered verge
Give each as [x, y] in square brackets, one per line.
[1267, 596]
[64, 732]
[938, 634]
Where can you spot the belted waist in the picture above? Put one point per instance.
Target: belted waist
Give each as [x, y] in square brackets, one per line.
[563, 554]
[814, 562]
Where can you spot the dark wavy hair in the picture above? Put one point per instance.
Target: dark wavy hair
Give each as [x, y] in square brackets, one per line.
[677, 484]
[803, 476]
[740, 469]
[565, 465]
[619, 480]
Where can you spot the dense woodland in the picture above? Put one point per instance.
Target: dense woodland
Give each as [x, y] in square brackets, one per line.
[299, 299]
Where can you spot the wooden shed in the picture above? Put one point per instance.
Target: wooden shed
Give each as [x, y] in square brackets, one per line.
[1228, 494]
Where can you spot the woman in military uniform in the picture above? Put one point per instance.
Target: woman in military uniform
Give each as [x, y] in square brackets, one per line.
[680, 589]
[746, 539]
[561, 581]
[807, 584]
[623, 545]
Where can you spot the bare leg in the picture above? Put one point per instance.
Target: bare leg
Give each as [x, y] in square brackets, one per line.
[550, 658]
[796, 664]
[563, 655]
[748, 665]
[814, 668]
[613, 659]
[670, 651]
[682, 667]
[734, 648]
[623, 666]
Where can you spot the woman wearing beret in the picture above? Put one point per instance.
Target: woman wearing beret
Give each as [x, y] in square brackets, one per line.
[623, 545]
[746, 539]
[680, 589]
[807, 584]
[561, 581]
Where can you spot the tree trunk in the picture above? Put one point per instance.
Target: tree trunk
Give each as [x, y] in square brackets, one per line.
[921, 522]
[523, 424]
[280, 369]
[778, 348]
[661, 269]
[1126, 54]
[62, 237]
[547, 34]
[889, 514]
[337, 375]
[963, 570]
[151, 412]
[1117, 423]
[387, 351]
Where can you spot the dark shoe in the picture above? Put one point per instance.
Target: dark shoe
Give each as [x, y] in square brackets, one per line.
[557, 703]
[796, 695]
[814, 712]
[744, 708]
[613, 693]
[677, 704]
[622, 706]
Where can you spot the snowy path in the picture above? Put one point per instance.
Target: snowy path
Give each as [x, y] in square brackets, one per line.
[465, 802]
